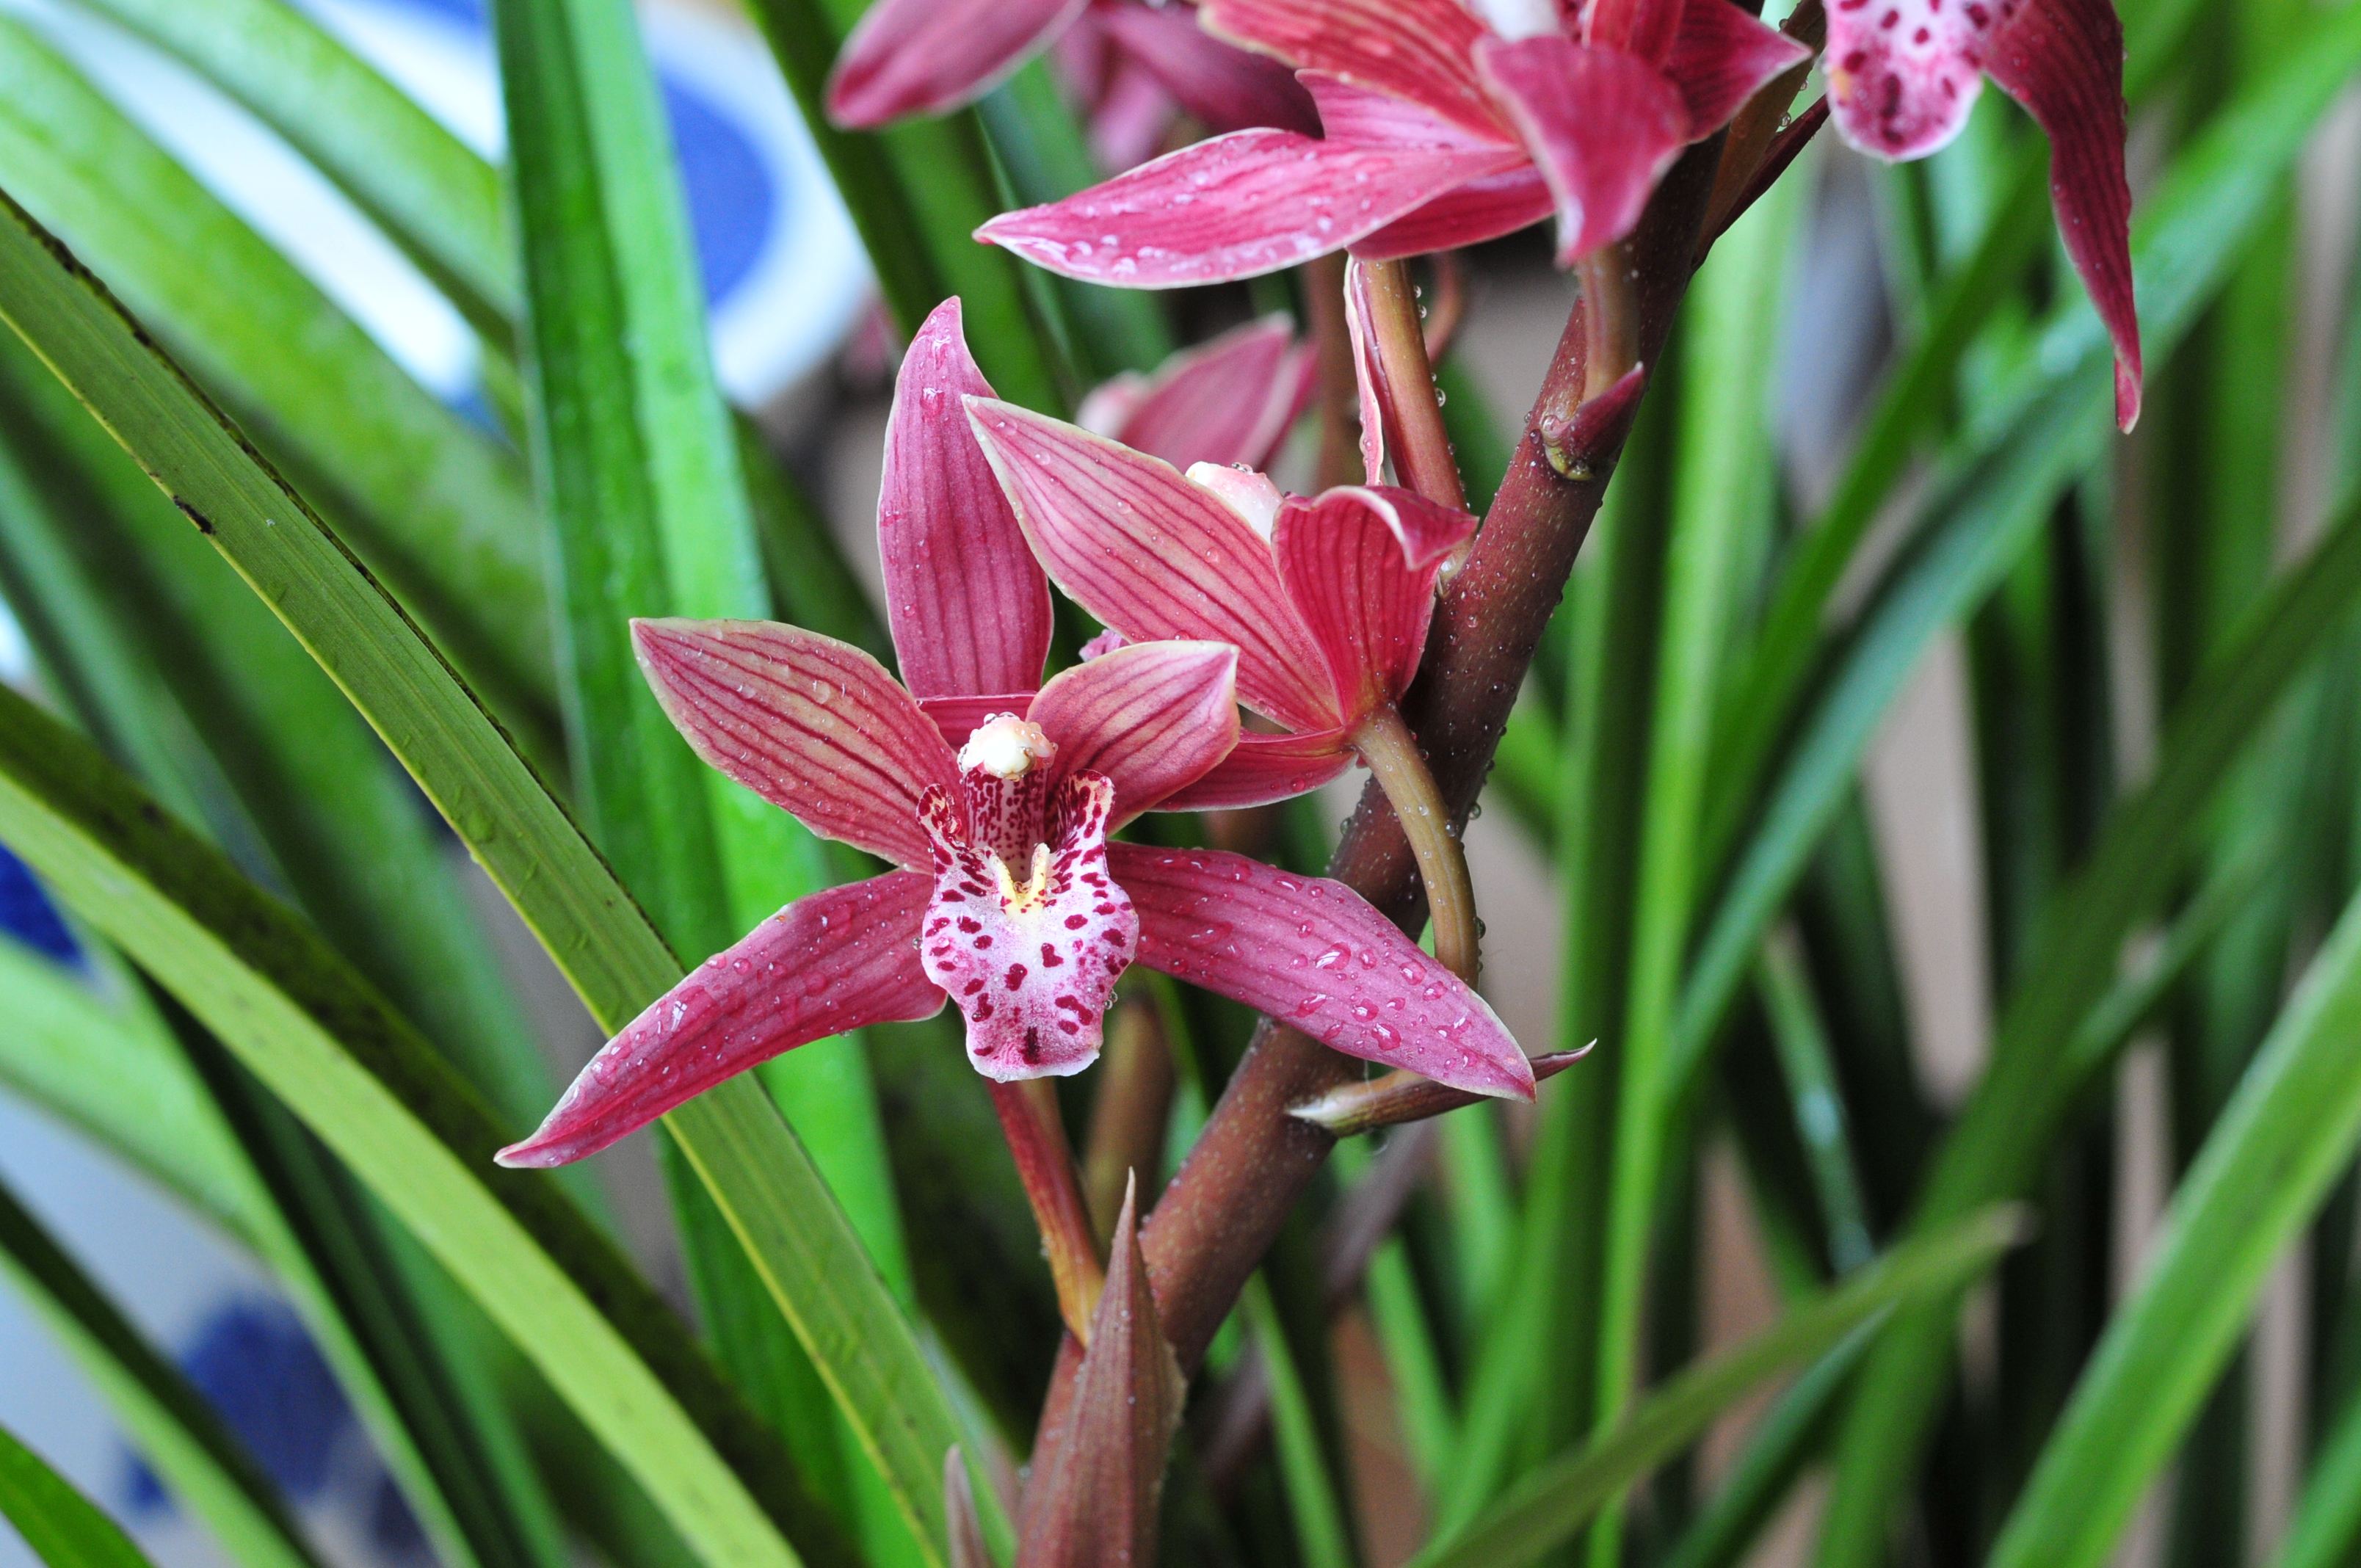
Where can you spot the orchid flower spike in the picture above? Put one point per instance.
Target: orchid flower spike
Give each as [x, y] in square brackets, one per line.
[994, 795]
[1903, 73]
[1438, 131]
[1132, 63]
[1230, 401]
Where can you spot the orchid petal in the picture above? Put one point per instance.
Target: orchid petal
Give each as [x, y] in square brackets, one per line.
[1643, 30]
[957, 717]
[1482, 209]
[1232, 399]
[923, 57]
[1722, 58]
[2063, 60]
[1225, 88]
[838, 960]
[969, 608]
[1128, 120]
[1155, 557]
[1152, 716]
[1266, 767]
[1603, 125]
[813, 726]
[1360, 566]
[1245, 491]
[1031, 968]
[1236, 206]
[1350, 112]
[1313, 955]
[1418, 49]
[1903, 73]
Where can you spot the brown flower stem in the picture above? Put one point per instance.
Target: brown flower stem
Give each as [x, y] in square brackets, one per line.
[1255, 1158]
[1129, 1117]
[1045, 1164]
[1422, 450]
[1386, 743]
[1324, 307]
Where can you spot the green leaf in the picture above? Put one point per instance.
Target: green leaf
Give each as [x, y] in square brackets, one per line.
[517, 832]
[1996, 1145]
[643, 477]
[2288, 1131]
[1724, 440]
[64, 1529]
[1998, 485]
[1548, 1505]
[314, 1032]
[283, 774]
[1314, 1505]
[433, 505]
[428, 190]
[164, 1415]
[113, 1072]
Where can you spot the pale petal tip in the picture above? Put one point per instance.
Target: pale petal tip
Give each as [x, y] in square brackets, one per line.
[2127, 395]
[533, 1154]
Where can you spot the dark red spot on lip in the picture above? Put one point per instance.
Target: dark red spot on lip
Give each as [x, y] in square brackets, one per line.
[982, 942]
[971, 988]
[1014, 977]
[1076, 922]
[1032, 1049]
[1051, 957]
[970, 923]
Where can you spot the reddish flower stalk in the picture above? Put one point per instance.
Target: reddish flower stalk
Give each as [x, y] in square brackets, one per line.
[1254, 1158]
[1400, 414]
[1036, 1132]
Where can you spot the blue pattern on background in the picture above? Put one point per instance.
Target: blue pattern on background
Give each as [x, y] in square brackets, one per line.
[732, 201]
[26, 914]
[258, 1368]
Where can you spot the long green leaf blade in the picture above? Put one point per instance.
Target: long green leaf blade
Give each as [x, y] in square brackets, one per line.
[2290, 1129]
[64, 1529]
[519, 835]
[1551, 1503]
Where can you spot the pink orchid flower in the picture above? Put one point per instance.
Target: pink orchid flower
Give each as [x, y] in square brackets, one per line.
[1229, 401]
[926, 57]
[1903, 73]
[1326, 598]
[994, 795]
[1439, 132]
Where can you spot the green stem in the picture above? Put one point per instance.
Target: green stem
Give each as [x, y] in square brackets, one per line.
[1386, 743]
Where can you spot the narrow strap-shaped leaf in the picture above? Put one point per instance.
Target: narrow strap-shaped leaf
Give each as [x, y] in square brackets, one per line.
[284, 775]
[1548, 1505]
[520, 836]
[433, 505]
[427, 188]
[325, 1045]
[1724, 436]
[2291, 1128]
[115, 1076]
[164, 1415]
[64, 1529]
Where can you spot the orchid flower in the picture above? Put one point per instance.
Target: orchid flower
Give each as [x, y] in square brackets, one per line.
[926, 57]
[995, 802]
[1903, 73]
[1230, 401]
[1439, 132]
[1327, 600]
